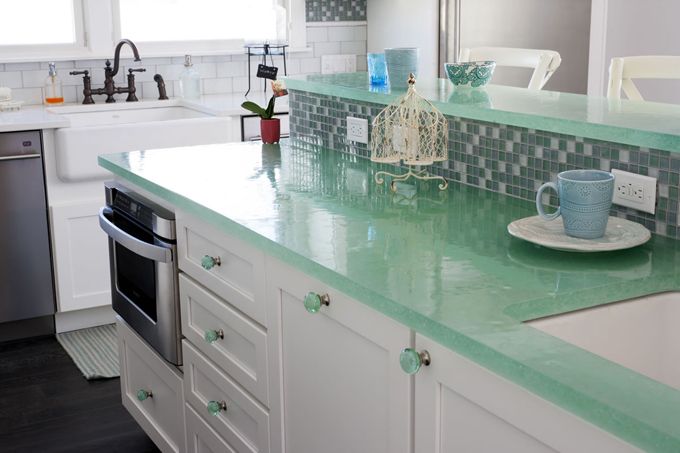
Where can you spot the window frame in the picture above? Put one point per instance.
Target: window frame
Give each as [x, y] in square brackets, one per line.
[98, 31]
[24, 52]
[197, 47]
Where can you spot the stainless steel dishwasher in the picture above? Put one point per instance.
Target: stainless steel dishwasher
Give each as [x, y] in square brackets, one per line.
[26, 283]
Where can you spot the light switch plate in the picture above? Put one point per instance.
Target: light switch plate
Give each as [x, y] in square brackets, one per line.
[357, 130]
[634, 191]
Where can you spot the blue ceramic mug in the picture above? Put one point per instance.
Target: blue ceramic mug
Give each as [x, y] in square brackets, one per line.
[585, 199]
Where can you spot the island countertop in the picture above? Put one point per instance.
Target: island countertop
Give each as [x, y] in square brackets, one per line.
[638, 123]
[441, 263]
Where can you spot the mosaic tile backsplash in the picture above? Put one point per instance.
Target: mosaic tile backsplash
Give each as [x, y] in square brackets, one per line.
[335, 10]
[506, 159]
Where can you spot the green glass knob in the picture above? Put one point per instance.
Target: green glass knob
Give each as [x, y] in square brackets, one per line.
[411, 360]
[142, 394]
[212, 336]
[314, 301]
[208, 262]
[215, 407]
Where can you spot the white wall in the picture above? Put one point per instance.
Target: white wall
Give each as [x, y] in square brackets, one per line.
[406, 23]
[634, 27]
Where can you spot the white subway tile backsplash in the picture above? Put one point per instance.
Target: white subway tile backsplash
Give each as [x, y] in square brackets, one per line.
[310, 65]
[216, 58]
[317, 34]
[326, 48]
[207, 70]
[218, 86]
[62, 66]
[219, 73]
[11, 79]
[21, 66]
[232, 69]
[339, 34]
[28, 95]
[71, 93]
[353, 47]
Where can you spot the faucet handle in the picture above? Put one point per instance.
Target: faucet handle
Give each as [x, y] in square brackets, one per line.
[85, 72]
[131, 70]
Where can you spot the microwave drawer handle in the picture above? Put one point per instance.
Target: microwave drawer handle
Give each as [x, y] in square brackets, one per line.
[141, 248]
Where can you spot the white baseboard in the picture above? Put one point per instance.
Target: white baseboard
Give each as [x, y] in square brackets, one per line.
[82, 319]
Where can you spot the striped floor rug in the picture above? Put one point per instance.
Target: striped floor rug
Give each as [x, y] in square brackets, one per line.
[94, 351]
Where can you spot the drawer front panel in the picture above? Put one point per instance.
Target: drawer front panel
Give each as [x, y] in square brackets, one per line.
[201, 438]
[236, 271]
[239, 346]
[244, 423]
[161, 413]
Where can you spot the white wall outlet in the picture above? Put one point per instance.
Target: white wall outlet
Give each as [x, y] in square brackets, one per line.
[357, 130]
[635, 191]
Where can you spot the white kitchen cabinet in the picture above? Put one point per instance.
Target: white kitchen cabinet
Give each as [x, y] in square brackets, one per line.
[234, 270]
[462, 406]
[339, 387]
[201, 438]
[81, 254]
[151, 390]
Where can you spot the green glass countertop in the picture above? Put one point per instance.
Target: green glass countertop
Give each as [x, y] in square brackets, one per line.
[638, 123]
[441, 263]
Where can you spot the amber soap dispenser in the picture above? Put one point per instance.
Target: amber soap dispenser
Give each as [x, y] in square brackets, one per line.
[53, 92]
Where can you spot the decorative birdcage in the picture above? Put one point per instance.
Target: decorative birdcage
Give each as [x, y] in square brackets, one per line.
[410, 130]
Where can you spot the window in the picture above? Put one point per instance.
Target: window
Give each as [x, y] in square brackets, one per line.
[202, 24]
[35, 30]
[50, 24]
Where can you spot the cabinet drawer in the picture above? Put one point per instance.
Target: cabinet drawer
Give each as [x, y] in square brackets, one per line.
[238, 345]
[201, 438]
[161, 414]
[244, 423]
[237, 272]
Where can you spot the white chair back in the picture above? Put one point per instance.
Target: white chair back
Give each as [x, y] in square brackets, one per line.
[544, 62]
[622, 71]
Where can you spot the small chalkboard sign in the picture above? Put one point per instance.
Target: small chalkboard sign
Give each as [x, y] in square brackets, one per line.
[267, 72]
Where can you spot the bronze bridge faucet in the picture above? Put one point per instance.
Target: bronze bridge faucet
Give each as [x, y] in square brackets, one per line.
[109, 85]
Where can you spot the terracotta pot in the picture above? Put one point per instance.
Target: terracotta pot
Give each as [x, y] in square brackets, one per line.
[270, 130]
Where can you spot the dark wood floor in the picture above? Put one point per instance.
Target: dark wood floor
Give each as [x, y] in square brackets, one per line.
[47, 406]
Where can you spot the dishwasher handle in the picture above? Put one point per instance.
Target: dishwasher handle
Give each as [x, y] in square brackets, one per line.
[141, 248]
[20, 157]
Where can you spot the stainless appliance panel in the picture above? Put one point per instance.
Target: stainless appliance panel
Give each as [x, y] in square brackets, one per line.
[26, 283]
[560, 25]
[144, 273]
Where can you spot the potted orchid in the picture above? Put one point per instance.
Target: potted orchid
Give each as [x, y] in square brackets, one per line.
[270, 127]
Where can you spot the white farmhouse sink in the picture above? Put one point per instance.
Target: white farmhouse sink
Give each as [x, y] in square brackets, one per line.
[109, 128]
[640, 334]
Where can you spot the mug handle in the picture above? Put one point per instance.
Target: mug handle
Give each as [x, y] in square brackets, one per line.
[539, 205]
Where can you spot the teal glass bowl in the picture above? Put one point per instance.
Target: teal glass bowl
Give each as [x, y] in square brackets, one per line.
[472, 74]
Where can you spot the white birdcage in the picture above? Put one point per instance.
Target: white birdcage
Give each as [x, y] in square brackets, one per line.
[411, 130]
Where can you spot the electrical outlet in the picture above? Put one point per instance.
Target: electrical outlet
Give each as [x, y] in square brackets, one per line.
[634, 191]
[357, 130]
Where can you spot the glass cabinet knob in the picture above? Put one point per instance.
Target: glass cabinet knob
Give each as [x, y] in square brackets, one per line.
[314, 301]
[143, 395]
[215, 407]
[411, 360]
[208, 262]
[212, 336]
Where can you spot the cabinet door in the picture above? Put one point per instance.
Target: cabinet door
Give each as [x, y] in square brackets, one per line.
[339, 387]
[151, 390]
[461, 406]
[81, 255]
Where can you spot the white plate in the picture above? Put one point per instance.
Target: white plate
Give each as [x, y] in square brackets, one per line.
[621, 234]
